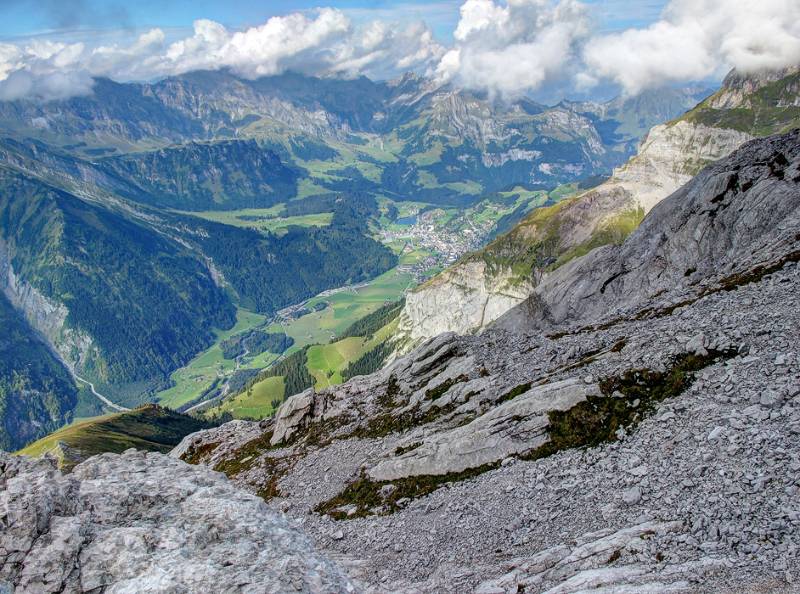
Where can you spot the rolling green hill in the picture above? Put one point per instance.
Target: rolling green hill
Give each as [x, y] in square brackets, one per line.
[150, 428]
[222, 175]
[360, 349]
[269, 271]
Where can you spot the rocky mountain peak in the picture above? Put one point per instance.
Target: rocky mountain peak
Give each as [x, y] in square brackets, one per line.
[743, 211]
[738, 86]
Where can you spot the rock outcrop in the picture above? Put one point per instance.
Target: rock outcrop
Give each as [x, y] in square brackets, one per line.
[461, 299]
[513, 427]
[743, 210]
[141, 522]
[649, 443]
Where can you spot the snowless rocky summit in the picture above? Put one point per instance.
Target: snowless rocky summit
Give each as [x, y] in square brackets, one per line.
[141, 522]
[636, 428]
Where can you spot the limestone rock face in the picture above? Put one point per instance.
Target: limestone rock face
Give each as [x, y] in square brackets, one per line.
[462, 299]
[294, 416]
[141, 522]
[669, 157]
[224, 438]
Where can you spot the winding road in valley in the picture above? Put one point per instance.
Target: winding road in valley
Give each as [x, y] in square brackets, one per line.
[99, 396]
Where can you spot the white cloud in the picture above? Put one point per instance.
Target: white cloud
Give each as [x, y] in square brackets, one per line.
[695, 39]
[512, 47]
[324, 42]
[380, 47]
[506, 47]
[43, 69]
[258, 51]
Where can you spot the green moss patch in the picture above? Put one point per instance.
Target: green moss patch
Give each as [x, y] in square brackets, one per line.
[385, 497]
[246, 456]
[197, 455]
[514, 392]
[399, 451]
[625, 401]
[386, 424]
[442, 388]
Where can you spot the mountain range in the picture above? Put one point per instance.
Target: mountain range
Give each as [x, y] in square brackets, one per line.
[465, 343]
[631, 427]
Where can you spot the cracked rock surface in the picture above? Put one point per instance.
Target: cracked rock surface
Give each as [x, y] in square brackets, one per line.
[145, 522]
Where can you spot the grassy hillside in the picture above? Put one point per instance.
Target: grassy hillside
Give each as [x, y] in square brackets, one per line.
[269, 272]
[150, 428]
[318, 365]
[199, 374]
[228, 174]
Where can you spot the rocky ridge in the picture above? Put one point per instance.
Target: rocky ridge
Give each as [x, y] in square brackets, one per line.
[667, 158]
[649, 443]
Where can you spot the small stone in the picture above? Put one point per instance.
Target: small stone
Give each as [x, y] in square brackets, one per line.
[632, 496]
[697, 345]
[716, 433]
[387, 490]
[338, 535]
[770, 399]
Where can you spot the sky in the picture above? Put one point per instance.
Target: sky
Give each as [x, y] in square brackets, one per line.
[47, 17]
[53, 49]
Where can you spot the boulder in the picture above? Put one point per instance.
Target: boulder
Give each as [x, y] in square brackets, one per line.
[514, 427]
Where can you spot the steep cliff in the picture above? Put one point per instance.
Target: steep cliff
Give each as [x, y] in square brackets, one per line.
[460, 299]
[37, 394]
